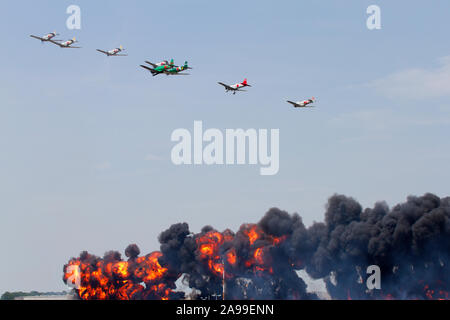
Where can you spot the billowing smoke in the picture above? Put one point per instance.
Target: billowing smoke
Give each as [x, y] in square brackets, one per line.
[410, 243]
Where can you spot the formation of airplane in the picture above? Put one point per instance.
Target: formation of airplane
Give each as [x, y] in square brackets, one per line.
[66, 44]
[163, 67]
[47, 37]
[303, 104]
[235, 87]
[114, 52]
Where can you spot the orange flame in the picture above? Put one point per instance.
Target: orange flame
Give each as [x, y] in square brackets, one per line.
[252, 233]
[231, 257]
[209, 245]
[117, 280]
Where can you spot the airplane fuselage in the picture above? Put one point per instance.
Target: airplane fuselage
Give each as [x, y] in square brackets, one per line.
[114, 51]
[163, 68]
[176, 69]
[162, 63]
[48, 37]
[67, 43]
[238, 86]
[304, 103]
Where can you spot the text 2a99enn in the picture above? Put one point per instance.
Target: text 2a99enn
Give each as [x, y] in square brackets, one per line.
[245, 309]
[237, 309]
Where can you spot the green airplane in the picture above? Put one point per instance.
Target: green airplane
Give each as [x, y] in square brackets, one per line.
[176, 70]
[165, 67]
[159, 68]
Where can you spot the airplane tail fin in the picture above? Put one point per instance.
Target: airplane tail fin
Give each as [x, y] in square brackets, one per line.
[245, 82]
[74, 39]
[172, 62]
[121, 47]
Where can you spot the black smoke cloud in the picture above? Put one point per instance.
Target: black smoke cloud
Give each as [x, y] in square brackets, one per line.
[409, 242]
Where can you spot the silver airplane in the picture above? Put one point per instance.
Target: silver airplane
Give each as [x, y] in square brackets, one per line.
[66, 44]
[47, 37]
[114, 52]
[303, 104]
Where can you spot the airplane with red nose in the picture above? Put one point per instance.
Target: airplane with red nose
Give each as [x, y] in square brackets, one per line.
[47, 37]
[303, 104]
[235, 87]
[114, 52]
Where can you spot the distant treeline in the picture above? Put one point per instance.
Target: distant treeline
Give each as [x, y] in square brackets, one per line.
[13, 295]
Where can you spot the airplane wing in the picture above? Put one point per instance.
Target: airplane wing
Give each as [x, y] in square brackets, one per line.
[120, 55]
[57, 43]
[150, 63]
[102, 51]
[226, 86]
[175, 73]
[148, 68]
[154, 73]
[70, 47]
[293, 103]
[36, 37]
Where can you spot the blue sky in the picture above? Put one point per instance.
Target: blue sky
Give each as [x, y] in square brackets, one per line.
[85, 139]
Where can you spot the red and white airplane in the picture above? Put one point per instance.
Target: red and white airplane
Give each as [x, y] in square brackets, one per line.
[235, 87]
[66, 44]
[47, 37]
[114, 52]
[303, 104]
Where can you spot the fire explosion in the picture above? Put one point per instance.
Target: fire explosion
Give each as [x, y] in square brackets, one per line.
[410, 243]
